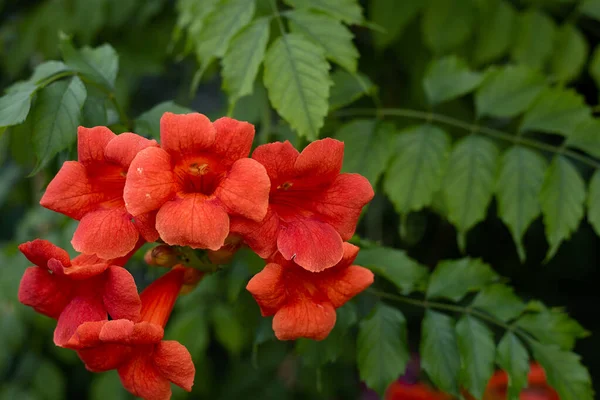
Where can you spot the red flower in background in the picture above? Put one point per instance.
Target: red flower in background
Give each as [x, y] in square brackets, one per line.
[146, 364]
[312, 207]
[413, 391]
[304, 302]
[537, 388]
[91, 190]
[77, 291]
[198, 179]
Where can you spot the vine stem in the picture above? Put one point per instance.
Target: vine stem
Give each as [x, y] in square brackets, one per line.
[426, 304]
[473, 128]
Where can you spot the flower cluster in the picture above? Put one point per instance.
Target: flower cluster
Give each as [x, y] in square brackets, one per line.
[197, 189]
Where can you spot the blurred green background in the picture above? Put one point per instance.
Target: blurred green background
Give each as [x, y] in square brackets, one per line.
[232, 346]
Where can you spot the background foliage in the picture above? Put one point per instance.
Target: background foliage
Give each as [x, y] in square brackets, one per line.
[475, 120]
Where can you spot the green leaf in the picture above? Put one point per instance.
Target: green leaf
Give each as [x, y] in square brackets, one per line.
[392, 16]
[395, 266]
[494, 36]
[100, 65]
[553, 326]
[46, 70]
[348, 11]
[570, 53]
[556, 110]
[513, 358]
[229, 330]
[518, 189]
[15, 105]
[590, 8]
[500, 301]
[56, 117]
[317, 353]
[446, 25]
[212, 40]
[562, 198]
[107, 385]
[508, 91]
[586, 137]
[329, 33]
[453, 279]
[415, 175]
[367, 149]
[243, 58]
[49, 382]
[191, 330]
[564, 372]
[94, 110]
[440, 357]
[469, 182]
[148, 123]
[449, 78]
[594, 66]
[382, 347]
[593, 202]
[347, 88]
[297, 80]
[477, 351]
[535, 39]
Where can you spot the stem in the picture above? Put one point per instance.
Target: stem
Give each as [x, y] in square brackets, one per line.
[189, 258]
[447, 307]
[494, 133]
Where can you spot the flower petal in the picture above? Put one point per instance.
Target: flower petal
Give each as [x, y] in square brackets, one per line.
[78, 270]
[150, 182]
[233, 138]
[174, 362]
[105, 357]
[321, 160]
[245, 190]
[140, 377]
[39, 251]
[278, 159]
[304, 317]
[193, 221]
[86, 335]
[79, 310]
[268, 289]
[313, 245]
[120, 297]
[341, 204]
[260, 236]
[159, 297]
[108, 233]
[186, 133]
[116, 331]
[123, 148]
[91, 143]
[342, 285]
[146, 226]
[70, 192]
[44, 292]
[146, 333]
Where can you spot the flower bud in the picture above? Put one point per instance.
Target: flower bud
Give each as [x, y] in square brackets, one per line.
[191, 279]
[162, 256]
[225, 254]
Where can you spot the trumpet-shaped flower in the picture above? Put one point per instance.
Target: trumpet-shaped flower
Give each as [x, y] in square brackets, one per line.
[304, 302]
[146, 363]
[197, 180]
[312, 207]
[91, 190]
[76, 291]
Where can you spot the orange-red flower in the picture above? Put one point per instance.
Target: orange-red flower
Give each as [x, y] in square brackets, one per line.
[312, 207]
[146, 364]
[91, 190]
[198, 179]
[537, 388]
[304, 302]
[413, 391]
[77, 291]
